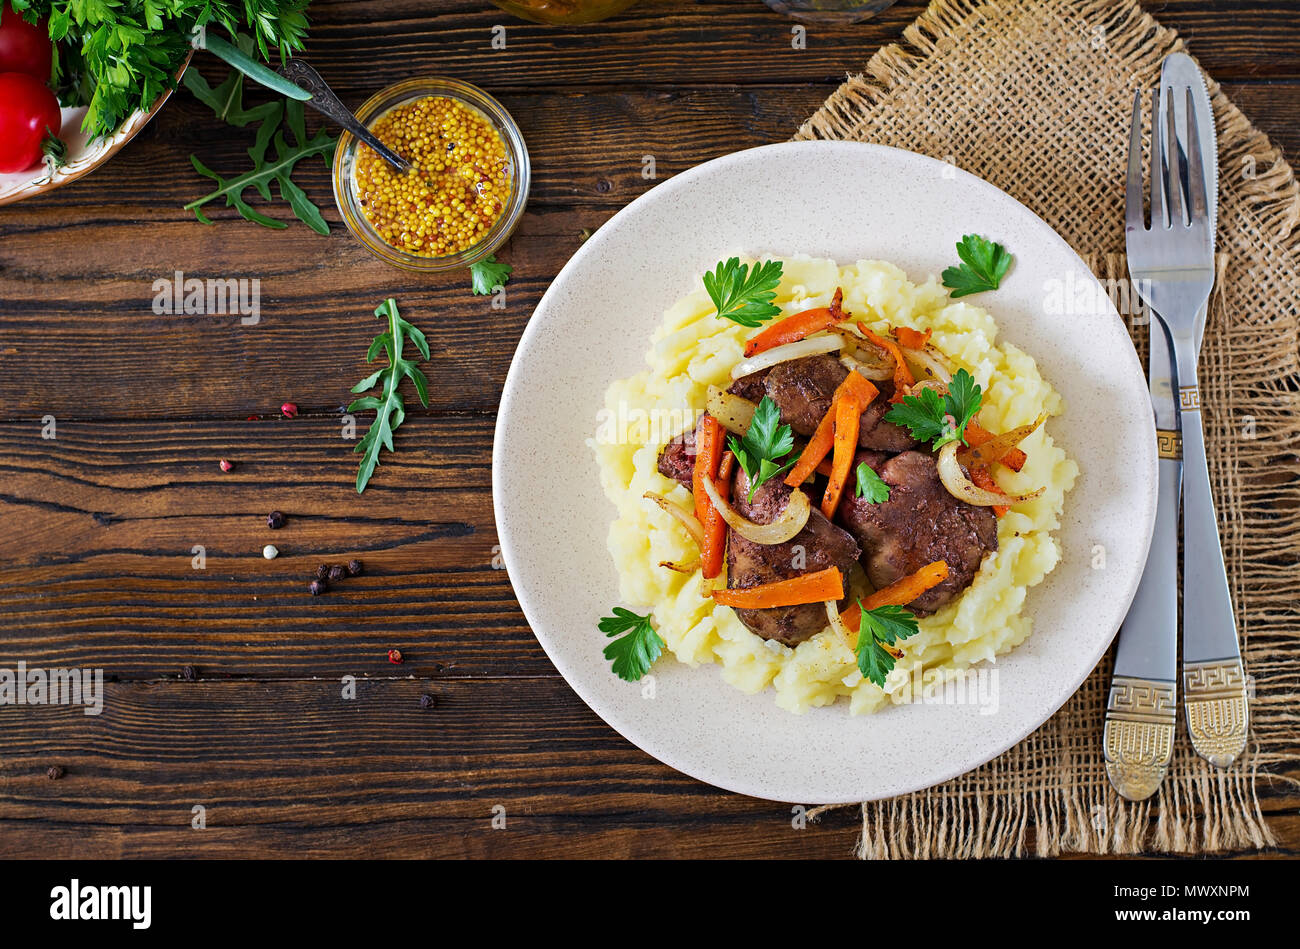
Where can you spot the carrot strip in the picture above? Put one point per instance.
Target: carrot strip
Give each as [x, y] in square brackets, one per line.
[819, 446]
[715, 528]
[903, 379]
[912, 339]
[815, 587]
[848, 413]
[981, 478]
[977, 435]
[798, 326]
[825, 467]
[709, 437]
[899, 593]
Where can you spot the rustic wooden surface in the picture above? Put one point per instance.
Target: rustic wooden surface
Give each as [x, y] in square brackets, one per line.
[97, 525]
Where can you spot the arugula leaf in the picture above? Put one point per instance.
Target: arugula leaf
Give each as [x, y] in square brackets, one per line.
[871, 486]
[485, 275]
[227, 99]
[983, 265]
[633, 654]
[743, 296]
[932, 418]
[390, 409]
[275, 170]
[253, 69]
[764, 443]
[885, 625]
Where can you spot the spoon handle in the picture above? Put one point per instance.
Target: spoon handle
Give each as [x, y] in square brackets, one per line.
[324, 100]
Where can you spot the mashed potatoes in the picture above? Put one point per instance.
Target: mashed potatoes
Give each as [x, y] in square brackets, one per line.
[693, 349]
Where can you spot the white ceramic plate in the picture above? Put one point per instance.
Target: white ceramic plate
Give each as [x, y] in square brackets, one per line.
[844, 201]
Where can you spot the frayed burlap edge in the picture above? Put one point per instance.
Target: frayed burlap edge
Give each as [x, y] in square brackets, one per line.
[1049, 794]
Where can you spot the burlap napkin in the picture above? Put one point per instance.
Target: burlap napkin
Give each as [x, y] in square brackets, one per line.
[1035, 97]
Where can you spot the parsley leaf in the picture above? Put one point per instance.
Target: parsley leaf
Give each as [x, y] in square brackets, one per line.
[871, 486]
[983, 265]
[885, 625]
[486, 275]
[633, 654]
[743, 296]
[388, 405]
[939, 419]
[764, 444]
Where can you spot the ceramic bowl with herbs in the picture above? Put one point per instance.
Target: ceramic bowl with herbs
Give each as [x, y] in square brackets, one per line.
[467, 187]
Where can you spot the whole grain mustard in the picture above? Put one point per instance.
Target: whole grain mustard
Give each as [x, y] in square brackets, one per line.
[458, 184]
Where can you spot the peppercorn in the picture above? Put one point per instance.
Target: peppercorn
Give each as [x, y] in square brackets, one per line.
[338, 573]
[275, 520]
[354, 568]
[323, 572]
[270, 551]
[395, 656]
[54, 772]
[317, 587]
[289, 410]
[189, 673]
[225, 465]
[428, 701]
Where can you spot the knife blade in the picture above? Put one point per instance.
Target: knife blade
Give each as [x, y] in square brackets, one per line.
[1214, 683]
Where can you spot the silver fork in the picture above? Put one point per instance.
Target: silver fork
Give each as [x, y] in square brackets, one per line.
[1172, 265]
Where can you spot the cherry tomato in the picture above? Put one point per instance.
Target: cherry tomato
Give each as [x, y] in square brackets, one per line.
[24, 47]
[27, 109]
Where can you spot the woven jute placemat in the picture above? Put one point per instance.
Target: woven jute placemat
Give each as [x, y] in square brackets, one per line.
[1035, 97]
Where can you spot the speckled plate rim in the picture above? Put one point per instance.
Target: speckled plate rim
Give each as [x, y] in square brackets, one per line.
[559, 564]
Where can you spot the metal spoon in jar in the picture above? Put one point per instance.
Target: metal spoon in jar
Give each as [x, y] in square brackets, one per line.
[324, 101]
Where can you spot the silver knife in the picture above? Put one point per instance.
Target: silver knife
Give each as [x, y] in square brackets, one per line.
[1214, 682]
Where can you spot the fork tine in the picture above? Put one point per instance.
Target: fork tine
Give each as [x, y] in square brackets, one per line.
[1173, 173]
[1134, 218]
[1157, 176]
[1195, 164]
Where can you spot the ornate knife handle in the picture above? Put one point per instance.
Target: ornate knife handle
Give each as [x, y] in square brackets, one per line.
[1138, 742]
[324, 101]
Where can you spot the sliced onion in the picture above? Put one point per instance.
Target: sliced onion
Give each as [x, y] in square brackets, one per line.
[791, 521]
[940, 387]
[812, 346]
[999, 445]
[686, 518]
[931, 363]
[689, 567]
[837, 624]
[874, 373]
[962, 488]
[731, 411]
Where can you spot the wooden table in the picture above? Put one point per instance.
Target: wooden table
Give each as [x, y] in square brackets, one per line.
[98, 525]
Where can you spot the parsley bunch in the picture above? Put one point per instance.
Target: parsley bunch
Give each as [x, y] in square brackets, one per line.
[764, 444]
[881, 627]
[939, 419]
[631, 655]
[117, 56]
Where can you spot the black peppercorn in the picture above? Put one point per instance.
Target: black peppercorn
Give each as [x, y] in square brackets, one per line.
[337, 573]
[323, 571]
[318, 587]
[354, 568]
[428, 701]
[275, 520]
[54, 772]
[189, 673]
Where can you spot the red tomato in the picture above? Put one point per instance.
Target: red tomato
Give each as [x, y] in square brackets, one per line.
[24, 47]
[27, 109]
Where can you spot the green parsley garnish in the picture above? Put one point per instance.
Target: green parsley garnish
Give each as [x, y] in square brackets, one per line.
[885, 625]
[983, 265]
[486, 274]
[390, 410]
[744, 296]
[765, 442]
[931, 417]
[634, 654]
[871, 486]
